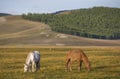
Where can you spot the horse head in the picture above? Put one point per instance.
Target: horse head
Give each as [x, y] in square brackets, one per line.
[89, 67]
[26, 68]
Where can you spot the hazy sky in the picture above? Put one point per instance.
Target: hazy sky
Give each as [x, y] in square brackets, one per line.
[46, 6]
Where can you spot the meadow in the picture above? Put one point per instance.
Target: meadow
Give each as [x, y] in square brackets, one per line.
[105, 63]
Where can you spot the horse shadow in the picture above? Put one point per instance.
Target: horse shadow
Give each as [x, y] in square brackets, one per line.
[105, 67]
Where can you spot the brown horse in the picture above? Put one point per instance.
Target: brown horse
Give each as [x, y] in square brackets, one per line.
[79, 56]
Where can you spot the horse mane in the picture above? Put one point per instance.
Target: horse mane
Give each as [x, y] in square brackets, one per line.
[84, 56]
[28, 57]
[85, 59]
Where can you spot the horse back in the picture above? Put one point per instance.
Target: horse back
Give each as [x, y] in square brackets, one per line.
[36, 56]
[76, 55]
[33, 56]
[73, 55]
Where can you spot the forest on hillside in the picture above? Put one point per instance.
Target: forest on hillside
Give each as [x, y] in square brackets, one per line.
[97, 22]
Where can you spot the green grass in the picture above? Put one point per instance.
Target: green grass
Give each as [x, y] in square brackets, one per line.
[104, 61]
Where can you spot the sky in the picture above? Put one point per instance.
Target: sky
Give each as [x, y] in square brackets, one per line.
[49, 6]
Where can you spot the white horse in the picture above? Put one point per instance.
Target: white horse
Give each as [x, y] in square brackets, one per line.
[32, 62]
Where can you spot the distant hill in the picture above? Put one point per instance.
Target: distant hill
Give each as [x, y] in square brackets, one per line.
[62, 12]
[3, 14]
[97, 22]
[14, 30]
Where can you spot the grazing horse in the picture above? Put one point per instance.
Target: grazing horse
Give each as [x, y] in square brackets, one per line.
[79, 56]
[32, 62]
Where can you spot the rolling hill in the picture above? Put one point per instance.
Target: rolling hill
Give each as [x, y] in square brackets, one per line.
[96, 22]
[14, 30]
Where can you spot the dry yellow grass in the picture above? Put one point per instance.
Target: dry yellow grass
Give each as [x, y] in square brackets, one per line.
[104, 61]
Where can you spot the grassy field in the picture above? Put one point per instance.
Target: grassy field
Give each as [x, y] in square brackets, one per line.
[105, 62]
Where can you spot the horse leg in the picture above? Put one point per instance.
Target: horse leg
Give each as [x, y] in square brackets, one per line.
[67, 63]
[80, 65]
[33, 66]
[70, 65]
[38, 65]
[30, 69]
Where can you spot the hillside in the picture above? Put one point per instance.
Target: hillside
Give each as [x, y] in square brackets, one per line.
[14, 30]
[97, 22]
[3, 14]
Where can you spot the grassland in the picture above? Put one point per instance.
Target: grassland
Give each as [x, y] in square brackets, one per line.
[105, 62]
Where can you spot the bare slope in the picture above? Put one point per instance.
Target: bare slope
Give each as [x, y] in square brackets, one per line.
[16, 31]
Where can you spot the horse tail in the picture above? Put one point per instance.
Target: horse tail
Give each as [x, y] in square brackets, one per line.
[67, 63]
[68, 58]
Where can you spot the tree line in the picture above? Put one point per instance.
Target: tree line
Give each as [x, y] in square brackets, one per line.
[97, 22]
